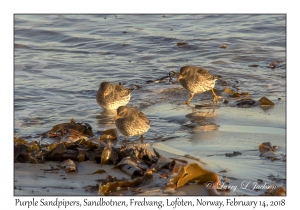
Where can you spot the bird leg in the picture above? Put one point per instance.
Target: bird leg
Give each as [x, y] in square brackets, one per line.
[215, 96]
[191, 96]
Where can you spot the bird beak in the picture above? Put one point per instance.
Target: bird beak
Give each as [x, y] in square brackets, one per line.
[179, 77]
[117, 117]
[105, 93]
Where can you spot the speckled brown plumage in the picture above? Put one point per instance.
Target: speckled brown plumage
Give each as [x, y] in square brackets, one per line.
[131, 122]
[197, 80]
[111, 96]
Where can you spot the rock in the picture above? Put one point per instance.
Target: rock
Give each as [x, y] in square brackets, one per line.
[228, 90]
[69, 166]
[247, 102]
[181, 43]
[277, 192]
[80, 129]
[266, 146]
[266, 102]
[236, 95]
[110, 134]
[235, 153]
[275, 64]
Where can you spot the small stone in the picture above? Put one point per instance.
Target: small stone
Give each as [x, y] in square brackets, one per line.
[228, 90]
[275, 64]
[245, 102]
[224, 171]
[280, 191]
[232, 154]
[225, 101]
[266, 146]
[245, 94]
[236, 95]
[181, 43]
[266, 102]
[223, 46]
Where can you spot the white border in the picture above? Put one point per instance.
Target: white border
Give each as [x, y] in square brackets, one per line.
[8, 8]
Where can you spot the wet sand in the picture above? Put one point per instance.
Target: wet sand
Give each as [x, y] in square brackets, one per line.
[31, 180]
[206, 134]
[60, 60]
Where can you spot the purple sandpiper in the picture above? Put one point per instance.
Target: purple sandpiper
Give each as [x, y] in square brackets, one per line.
[131, 122]
[111, 96]
[197, 80]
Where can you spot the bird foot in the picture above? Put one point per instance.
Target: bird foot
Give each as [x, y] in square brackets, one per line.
[215, 100]
[187, 102]
[142, 139]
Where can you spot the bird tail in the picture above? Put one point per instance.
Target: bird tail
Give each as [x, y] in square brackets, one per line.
[216, 77]
[130, 90]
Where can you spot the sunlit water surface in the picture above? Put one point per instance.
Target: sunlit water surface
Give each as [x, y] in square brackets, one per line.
[60, 60]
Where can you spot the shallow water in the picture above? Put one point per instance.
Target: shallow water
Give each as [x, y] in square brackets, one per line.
[60, 61]
[223, 131]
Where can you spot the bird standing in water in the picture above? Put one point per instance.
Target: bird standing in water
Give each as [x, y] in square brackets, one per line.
[111, 96]
[197, 80]
[131, 122]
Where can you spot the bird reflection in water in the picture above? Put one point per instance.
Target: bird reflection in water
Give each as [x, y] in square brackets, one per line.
[202, 120]
[107, 116]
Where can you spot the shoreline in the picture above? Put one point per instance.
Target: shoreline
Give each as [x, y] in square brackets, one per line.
[205, 135]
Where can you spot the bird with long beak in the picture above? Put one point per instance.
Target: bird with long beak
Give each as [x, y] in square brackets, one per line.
[197, 80]
[131, 122]
[111, 96]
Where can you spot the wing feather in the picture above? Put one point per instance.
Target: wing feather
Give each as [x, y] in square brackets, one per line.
[122, 90]
[143, 117]
[201, 72]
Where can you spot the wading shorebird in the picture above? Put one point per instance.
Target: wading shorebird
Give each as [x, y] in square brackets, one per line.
[197, 80]
[131, 122]
[111, 96]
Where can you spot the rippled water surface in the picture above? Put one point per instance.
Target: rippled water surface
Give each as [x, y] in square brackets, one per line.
[60, 61]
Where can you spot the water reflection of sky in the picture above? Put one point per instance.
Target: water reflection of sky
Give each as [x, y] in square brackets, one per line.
[63, 58]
